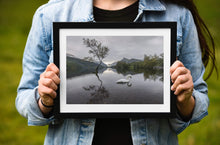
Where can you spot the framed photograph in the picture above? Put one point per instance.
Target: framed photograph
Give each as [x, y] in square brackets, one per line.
[114, 69]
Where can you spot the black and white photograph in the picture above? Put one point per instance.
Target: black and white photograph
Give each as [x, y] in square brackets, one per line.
[112, 68]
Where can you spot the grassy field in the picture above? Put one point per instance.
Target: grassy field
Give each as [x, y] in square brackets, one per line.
[15, 22]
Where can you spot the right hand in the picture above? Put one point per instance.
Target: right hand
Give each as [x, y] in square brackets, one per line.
[47, 86]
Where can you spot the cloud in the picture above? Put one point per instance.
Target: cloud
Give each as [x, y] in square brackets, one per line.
[120, 46]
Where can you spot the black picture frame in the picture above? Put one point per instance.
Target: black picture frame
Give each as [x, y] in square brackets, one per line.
[65, 32]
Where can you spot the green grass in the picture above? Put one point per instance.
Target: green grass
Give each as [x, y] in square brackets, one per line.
[15, 22]
[206, 131]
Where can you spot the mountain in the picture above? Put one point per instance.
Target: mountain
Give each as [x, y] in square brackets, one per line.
[102, 64]
[77, 67]
[113, 64]
[70, 55]
[73, 56]
[126, 60]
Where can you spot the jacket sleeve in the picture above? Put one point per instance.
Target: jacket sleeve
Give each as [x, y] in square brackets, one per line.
[35, 60]
[190, 56]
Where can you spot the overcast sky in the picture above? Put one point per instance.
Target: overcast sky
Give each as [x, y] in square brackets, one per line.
[119, 46]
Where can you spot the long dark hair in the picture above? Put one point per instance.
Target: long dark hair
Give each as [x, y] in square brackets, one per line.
[205, 38]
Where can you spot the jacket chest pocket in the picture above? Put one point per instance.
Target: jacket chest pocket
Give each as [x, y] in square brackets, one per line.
[179, 41]
[51, 56]
[49, 51]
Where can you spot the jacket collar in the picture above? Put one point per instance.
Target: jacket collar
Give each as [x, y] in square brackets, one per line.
[151, 5]
[86, 14]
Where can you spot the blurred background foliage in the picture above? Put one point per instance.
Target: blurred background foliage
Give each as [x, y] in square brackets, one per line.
[15, 23]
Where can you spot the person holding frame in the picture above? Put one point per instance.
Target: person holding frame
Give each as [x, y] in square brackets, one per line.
[40, 79]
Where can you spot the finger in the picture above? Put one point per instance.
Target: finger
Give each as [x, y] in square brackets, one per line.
[54, 68]
[175, 65]
[45, 91]
[184, 87]
[42, 75]
[179, 71]
[49, 83]
[52, 75]
[179, 80]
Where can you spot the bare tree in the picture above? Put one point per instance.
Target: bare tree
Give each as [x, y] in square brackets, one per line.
[96, 49]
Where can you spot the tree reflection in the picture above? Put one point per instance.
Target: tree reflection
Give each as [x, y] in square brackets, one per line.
[98, 94]
[150, 74]
[98, 51]
[153, 75]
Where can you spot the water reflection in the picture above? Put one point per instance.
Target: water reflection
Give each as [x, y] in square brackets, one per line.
[147, 74]
[144, 88]
[98, 94]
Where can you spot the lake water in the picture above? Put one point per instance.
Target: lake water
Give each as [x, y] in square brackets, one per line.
[88, 89]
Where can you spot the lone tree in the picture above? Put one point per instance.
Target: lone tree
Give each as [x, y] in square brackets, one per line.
[97, 50]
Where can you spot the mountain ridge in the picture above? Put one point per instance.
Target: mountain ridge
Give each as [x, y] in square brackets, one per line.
[126, 60]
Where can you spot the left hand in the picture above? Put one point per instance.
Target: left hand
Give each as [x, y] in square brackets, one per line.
[182, 87]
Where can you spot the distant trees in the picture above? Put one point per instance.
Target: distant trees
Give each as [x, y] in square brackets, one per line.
[150, 62]
[97, 50]
[151, 67]
[122, 65]
[153, 62]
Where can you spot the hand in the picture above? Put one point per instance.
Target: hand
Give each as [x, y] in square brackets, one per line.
[47, 86]
[183, 88]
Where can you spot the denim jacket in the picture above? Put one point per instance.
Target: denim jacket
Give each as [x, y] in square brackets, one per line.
[147, 131]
